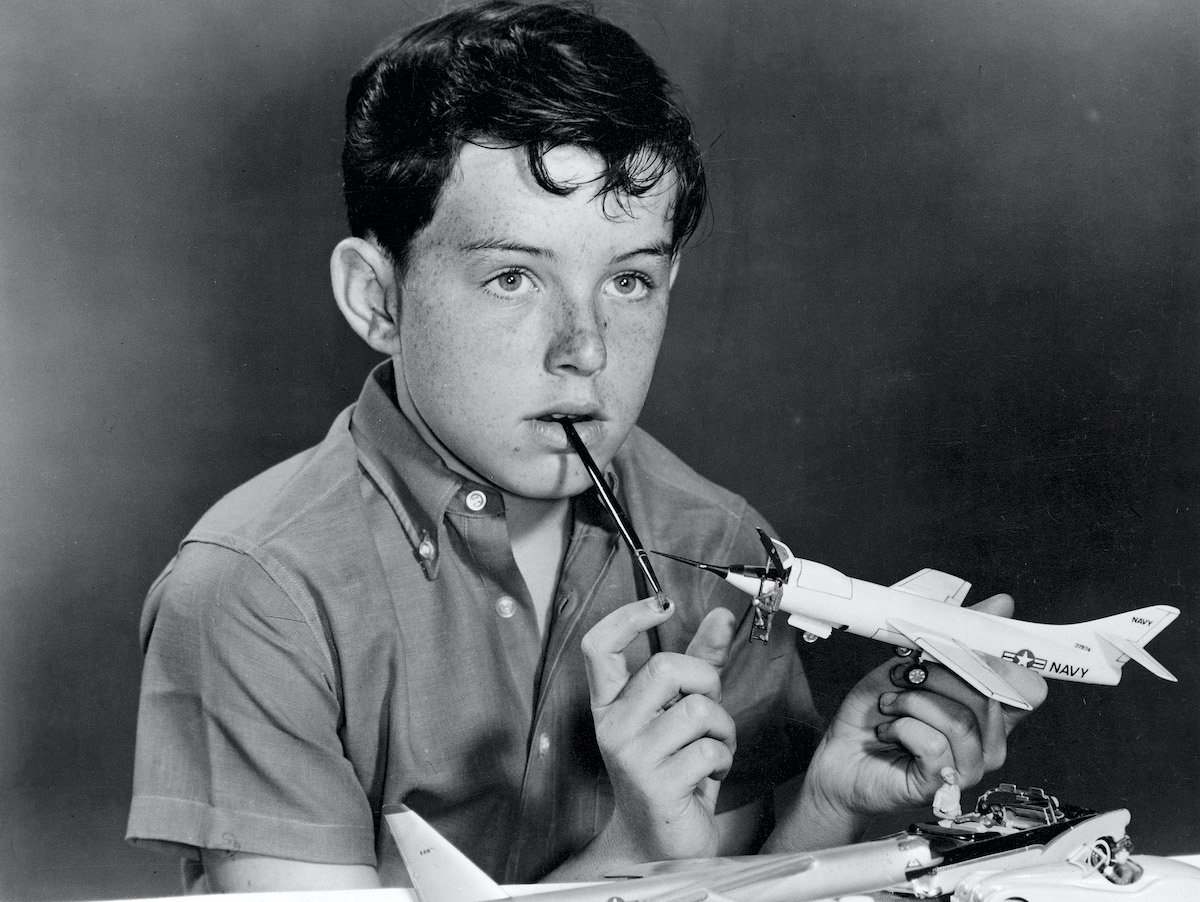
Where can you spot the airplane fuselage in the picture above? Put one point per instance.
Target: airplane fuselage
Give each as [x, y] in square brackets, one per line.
[819, 599]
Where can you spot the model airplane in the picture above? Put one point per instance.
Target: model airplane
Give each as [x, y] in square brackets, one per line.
[922, 616]
[441, 873]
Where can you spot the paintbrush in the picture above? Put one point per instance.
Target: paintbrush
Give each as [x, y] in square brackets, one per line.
[609, 500]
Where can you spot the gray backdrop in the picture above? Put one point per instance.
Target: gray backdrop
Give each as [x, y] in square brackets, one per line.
[944, 314]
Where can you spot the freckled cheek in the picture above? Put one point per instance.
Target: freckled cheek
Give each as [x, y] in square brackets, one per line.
[478, 371]
[632, 353]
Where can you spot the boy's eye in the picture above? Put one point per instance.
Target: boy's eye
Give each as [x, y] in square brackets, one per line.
[511, 282]
[630, 285]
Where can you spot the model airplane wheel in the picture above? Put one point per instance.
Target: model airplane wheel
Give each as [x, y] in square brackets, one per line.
[903, 652]
[916, 675]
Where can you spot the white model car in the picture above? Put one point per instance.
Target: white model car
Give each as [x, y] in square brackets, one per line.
[1146, 878]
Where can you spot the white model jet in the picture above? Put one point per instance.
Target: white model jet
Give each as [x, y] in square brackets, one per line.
[922, 615]
[441, 873]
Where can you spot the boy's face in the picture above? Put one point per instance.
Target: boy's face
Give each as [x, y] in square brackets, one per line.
[518, 305]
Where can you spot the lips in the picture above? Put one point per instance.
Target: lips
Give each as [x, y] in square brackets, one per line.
[585, 421]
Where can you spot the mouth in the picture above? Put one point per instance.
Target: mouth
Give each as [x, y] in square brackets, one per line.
[586, 422]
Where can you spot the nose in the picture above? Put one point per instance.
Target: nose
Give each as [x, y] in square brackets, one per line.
[577, 345]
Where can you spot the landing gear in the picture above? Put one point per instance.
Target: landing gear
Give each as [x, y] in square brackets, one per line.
[811, 637]
[903, 652]
[915, 675]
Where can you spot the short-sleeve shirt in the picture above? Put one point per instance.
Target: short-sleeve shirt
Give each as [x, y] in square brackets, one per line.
[349, 631]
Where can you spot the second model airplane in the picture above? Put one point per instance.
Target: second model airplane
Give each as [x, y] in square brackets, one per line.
[922, 616]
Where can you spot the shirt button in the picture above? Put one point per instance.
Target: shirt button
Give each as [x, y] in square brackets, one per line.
[476, 500]
[425, 550]
[505, 607]
[543, 743]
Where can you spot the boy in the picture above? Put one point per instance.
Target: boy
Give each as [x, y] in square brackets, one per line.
[430, 607]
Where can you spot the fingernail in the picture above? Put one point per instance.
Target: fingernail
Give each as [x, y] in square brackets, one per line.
[659, 603]
[888, 699]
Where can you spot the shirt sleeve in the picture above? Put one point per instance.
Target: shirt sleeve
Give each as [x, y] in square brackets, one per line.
[237, 744]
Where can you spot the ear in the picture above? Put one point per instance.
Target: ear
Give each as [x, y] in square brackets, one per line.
[364, 284]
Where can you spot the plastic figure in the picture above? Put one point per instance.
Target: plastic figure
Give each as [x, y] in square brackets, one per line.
[947, 801]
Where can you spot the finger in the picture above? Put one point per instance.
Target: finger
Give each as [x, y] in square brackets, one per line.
[694, 717]
[713, 638]
[709, 788]
[955, 722]
[1030, 684]
[1001, 605]
[704, 758]
[663, 679]
[988, 713]
[605, 643]
[926, 746]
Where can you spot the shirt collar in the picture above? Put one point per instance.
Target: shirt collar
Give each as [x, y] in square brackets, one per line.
[411, 475]
[417, 481]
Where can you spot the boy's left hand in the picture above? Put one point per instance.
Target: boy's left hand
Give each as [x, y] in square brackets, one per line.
[888, 744]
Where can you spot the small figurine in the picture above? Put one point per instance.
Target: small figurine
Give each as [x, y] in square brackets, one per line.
[922, 615]
[947, 801]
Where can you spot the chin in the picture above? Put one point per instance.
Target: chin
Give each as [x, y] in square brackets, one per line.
[543, 484]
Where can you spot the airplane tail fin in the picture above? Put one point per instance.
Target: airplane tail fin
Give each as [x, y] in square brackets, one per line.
[439, 871]
[1125, 635]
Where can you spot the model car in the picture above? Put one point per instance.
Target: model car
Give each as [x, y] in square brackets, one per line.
[1146, 878]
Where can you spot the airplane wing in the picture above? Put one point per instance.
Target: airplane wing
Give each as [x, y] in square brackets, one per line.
[935, 585]
[967, 664]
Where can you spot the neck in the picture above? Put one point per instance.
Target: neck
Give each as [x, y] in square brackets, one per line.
[527, 516]
[539, 530]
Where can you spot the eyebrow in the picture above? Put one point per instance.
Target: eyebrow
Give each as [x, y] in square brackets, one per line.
[503, 244]
[658, 249]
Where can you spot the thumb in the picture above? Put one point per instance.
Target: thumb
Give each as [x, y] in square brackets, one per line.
[1001, 605]
[713, 637]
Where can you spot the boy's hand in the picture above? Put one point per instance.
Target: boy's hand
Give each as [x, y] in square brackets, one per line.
[665, 738]
[888, 744]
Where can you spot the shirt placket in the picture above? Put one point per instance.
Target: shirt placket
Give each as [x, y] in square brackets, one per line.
[479, 514]
[557, 807]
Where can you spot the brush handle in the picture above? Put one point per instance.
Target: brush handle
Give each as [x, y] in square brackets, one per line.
[609, 500]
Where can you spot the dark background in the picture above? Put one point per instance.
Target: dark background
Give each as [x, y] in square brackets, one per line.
[944, 314]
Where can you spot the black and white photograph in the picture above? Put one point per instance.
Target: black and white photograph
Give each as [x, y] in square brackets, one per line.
[658, 449]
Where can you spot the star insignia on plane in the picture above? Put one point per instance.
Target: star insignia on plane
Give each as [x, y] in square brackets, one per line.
[1025, 658]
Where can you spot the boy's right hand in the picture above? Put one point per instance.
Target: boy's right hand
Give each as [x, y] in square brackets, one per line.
[665, 739]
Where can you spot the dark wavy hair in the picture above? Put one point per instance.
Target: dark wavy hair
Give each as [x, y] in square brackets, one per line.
[535, 76]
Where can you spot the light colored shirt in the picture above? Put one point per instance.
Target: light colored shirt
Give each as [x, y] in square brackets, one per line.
[349, 630]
